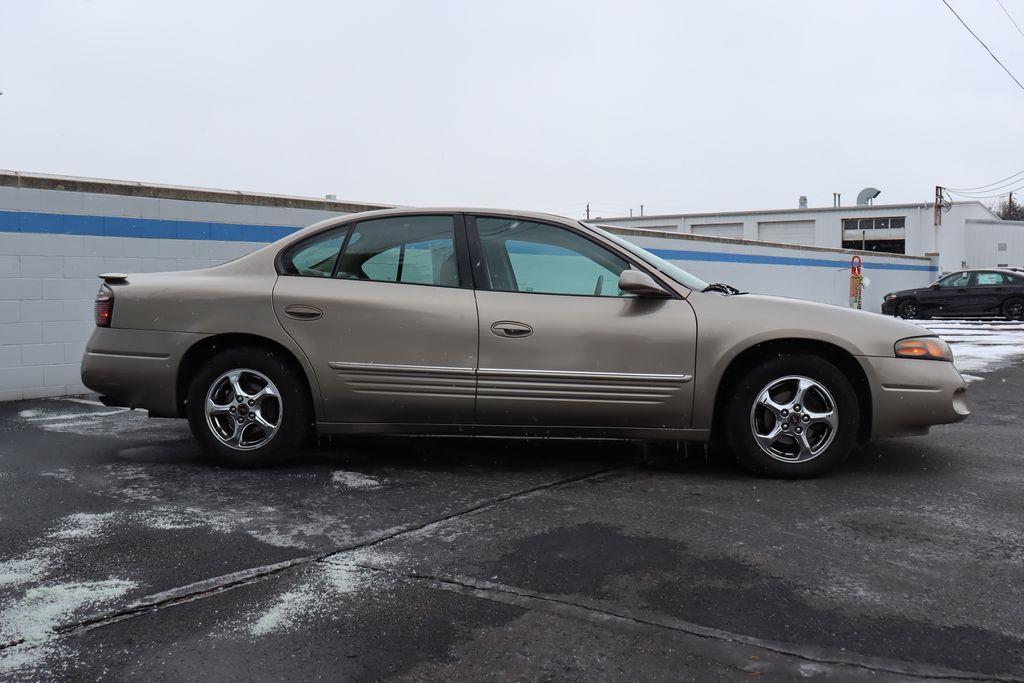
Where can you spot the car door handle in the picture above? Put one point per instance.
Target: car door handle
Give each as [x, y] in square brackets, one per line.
[303, 312]
[508, 328]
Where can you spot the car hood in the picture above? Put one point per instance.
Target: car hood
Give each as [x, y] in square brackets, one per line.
[752, 318]
[906, 292]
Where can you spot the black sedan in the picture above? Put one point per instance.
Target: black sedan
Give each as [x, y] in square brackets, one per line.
[963, 293]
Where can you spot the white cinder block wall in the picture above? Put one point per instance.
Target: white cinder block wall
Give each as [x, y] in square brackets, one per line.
[52, 247]
[57, 234]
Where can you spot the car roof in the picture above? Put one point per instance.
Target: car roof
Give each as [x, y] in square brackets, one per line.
[428, 210]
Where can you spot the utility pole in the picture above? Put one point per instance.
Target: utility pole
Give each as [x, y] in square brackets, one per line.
[588, 211]
[642, 209]
[1009, 208]
[938, 205]
[631, 213]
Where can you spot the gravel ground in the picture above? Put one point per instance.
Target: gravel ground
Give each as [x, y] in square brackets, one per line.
[122, 554]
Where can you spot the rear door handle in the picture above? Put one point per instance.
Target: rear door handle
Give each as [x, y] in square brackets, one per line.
[303, 312]
[511, 329]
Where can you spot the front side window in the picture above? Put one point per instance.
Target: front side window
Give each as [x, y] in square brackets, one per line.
[411, 249]
[523, 256]
[956, 280]
[991, 280]
[314, 257]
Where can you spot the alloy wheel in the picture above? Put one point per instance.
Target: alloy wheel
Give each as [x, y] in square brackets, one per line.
[243, 409]
[794, 419]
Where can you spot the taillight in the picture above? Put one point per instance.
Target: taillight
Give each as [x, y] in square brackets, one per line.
[104, 306]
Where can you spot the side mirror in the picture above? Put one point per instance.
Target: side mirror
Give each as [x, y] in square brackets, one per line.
[934, 285]
[641, 284]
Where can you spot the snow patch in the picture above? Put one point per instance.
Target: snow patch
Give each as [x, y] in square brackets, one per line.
[23, 569]
[319, 590]
[33, 618]
[82, 525]
[355, 480]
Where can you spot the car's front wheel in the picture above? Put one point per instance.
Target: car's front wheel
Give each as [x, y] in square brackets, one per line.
[792, 416]
[248, 408]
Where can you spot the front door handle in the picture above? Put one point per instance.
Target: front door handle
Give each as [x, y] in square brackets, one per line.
[303, 312]
[511, 329]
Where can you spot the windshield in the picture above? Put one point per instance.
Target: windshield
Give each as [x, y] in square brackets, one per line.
[661, 265]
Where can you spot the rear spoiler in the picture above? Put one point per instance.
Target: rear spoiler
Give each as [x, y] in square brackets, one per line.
[114, 277]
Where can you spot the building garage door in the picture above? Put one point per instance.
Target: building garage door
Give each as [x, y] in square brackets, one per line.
[718, 229]
[789, 232]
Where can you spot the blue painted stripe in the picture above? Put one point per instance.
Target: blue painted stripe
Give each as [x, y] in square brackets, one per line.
[158, 228]
[153, 228]
[762, 259]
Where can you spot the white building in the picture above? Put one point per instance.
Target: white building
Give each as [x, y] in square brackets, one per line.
[970, 236]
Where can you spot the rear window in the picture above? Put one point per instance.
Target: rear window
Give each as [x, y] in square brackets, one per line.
[316, 256]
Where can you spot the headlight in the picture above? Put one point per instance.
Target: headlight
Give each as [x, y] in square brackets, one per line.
[890, 297]
[930, 348]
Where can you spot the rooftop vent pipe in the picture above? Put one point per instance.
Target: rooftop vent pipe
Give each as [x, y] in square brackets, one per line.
[867, 196]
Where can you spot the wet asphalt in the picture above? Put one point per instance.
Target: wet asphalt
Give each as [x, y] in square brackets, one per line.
[124, 555]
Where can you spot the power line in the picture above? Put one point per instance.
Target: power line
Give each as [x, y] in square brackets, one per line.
[1010, 18]
[987, 186]
[985, 196]
[982, 42]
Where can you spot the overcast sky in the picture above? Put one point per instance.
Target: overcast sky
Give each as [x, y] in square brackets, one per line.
[535, 105]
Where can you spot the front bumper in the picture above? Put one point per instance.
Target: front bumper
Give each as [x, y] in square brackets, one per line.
[889, 306]
[909, 395]
[138, 368]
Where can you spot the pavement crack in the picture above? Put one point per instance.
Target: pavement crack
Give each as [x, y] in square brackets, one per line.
[809, 653]
[226, 582]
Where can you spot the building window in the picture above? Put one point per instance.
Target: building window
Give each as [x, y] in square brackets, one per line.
[887, 246]
[888, 223]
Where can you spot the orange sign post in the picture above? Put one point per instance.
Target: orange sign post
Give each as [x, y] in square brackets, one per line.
[856, 282]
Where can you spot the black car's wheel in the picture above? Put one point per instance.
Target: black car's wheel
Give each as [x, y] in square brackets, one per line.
[910, 310]
[248, 408]
[792, 416]
[1013, 309]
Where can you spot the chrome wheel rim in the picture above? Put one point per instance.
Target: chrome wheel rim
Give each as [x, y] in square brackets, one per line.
[909, 310]
[1015, 310]
[794, 419]
[243, 409]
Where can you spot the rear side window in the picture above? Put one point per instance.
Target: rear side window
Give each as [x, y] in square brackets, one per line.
[991, 279]
[417, 250]
[316, 256]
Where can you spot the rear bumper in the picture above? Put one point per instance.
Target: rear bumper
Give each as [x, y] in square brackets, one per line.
[138, 368]
[909, 395]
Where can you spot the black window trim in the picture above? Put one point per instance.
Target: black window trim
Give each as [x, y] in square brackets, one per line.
[481, 277]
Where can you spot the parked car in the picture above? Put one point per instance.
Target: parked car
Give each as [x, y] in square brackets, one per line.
[995, 291]
[459, 321]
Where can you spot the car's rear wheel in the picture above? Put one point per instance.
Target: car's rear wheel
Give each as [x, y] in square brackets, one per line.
[1013, 309]
[248, 408]
[910, 310]
[792, 416]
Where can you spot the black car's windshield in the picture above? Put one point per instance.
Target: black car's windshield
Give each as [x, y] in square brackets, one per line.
[661, 265]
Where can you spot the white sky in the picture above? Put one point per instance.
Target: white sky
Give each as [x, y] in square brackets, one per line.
[534, 105]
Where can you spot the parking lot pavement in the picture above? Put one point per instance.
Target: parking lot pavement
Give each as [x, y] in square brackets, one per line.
[122, 554]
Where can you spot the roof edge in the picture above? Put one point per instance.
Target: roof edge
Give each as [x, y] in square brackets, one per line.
[128, 188]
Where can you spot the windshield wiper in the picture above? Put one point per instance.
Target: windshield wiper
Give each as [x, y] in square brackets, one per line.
[720, 287]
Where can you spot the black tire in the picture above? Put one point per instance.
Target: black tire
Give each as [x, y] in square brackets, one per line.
[738, 422]
[910, 310]
[1013, 309]
[291, 413]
